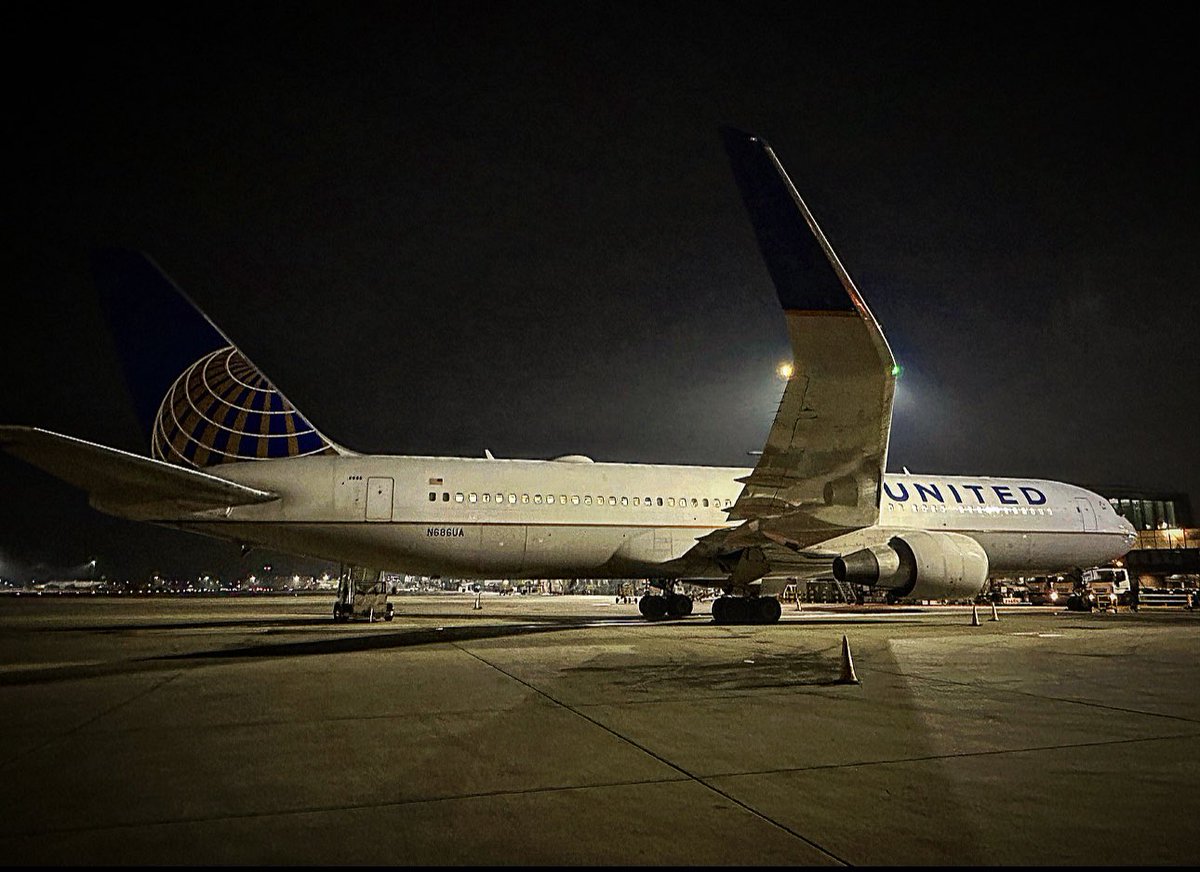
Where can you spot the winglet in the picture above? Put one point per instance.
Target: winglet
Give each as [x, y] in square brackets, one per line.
[808, 275]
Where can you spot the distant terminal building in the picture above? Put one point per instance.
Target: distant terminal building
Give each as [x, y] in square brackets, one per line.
[1148, 510]
[1167, 551]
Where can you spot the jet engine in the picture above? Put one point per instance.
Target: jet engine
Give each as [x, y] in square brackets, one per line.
[919, 564]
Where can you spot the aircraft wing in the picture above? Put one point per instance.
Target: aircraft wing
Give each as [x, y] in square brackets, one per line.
[821, 470]
[142, 487]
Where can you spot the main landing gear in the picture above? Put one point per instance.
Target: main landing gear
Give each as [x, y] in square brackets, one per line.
[656, 607]
[746, 610]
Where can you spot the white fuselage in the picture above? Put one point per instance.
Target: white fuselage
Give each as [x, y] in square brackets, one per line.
[485, 518]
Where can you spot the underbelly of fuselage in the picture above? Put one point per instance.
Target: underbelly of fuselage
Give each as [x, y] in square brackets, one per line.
[601, 550]
[481, 550]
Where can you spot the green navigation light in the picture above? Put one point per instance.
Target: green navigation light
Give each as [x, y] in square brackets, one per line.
[896, 370]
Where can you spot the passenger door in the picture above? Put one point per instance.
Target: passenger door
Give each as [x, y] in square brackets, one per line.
[379, 499]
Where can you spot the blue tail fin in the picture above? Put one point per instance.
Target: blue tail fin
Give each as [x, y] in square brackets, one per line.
[200, 400]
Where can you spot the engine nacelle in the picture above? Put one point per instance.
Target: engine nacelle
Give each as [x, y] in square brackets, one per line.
[919, 564]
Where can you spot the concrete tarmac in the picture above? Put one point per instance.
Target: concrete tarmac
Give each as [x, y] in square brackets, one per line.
[542, 730]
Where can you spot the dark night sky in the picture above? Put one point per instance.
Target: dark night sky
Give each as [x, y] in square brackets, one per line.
[459, 227]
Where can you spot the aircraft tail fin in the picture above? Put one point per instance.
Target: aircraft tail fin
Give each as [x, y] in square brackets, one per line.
[201, 401]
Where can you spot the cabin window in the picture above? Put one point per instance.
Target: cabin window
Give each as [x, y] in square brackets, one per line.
[695, 502]
[624, 501]
[727, 503]
[649, 501]
[671, 501]
[458, 497]
[562, 498]
[524, 499]
[612, 501]
[433, 496]
[706, 502]
[512, 499]
[445, 496]
[660, 501]
[637, 501]
[537, 498]
[587, 500]
[487, 498]
[472, 498]
[550, 499]
[574, 499]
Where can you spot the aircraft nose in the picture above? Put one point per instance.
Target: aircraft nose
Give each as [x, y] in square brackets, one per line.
[1128, 529]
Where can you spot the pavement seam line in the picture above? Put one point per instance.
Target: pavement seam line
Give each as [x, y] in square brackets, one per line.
[928, 758]
[690, 776]
[50, 741]
[1043, 696]
[326, 809]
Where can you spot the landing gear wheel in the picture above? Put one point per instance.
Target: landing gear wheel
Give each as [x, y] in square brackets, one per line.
[339, 616]
[746, 610]
[678, 605]
[390, 613]
[728, 610]
[653, 606]
[767, 609]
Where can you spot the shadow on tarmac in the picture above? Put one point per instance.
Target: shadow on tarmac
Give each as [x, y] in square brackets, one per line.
[230, 623]
[340, 644]
[378, 639]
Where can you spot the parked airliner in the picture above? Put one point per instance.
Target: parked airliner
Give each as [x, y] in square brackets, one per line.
[230, 456]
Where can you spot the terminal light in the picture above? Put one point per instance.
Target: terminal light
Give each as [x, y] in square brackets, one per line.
[785, 370]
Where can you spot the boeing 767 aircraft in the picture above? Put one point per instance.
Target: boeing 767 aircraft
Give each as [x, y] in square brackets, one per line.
[231, 457]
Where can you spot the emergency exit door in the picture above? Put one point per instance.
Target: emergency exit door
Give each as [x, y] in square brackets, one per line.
[379, 499]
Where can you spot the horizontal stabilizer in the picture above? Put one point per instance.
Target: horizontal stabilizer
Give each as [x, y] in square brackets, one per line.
[124, 483]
